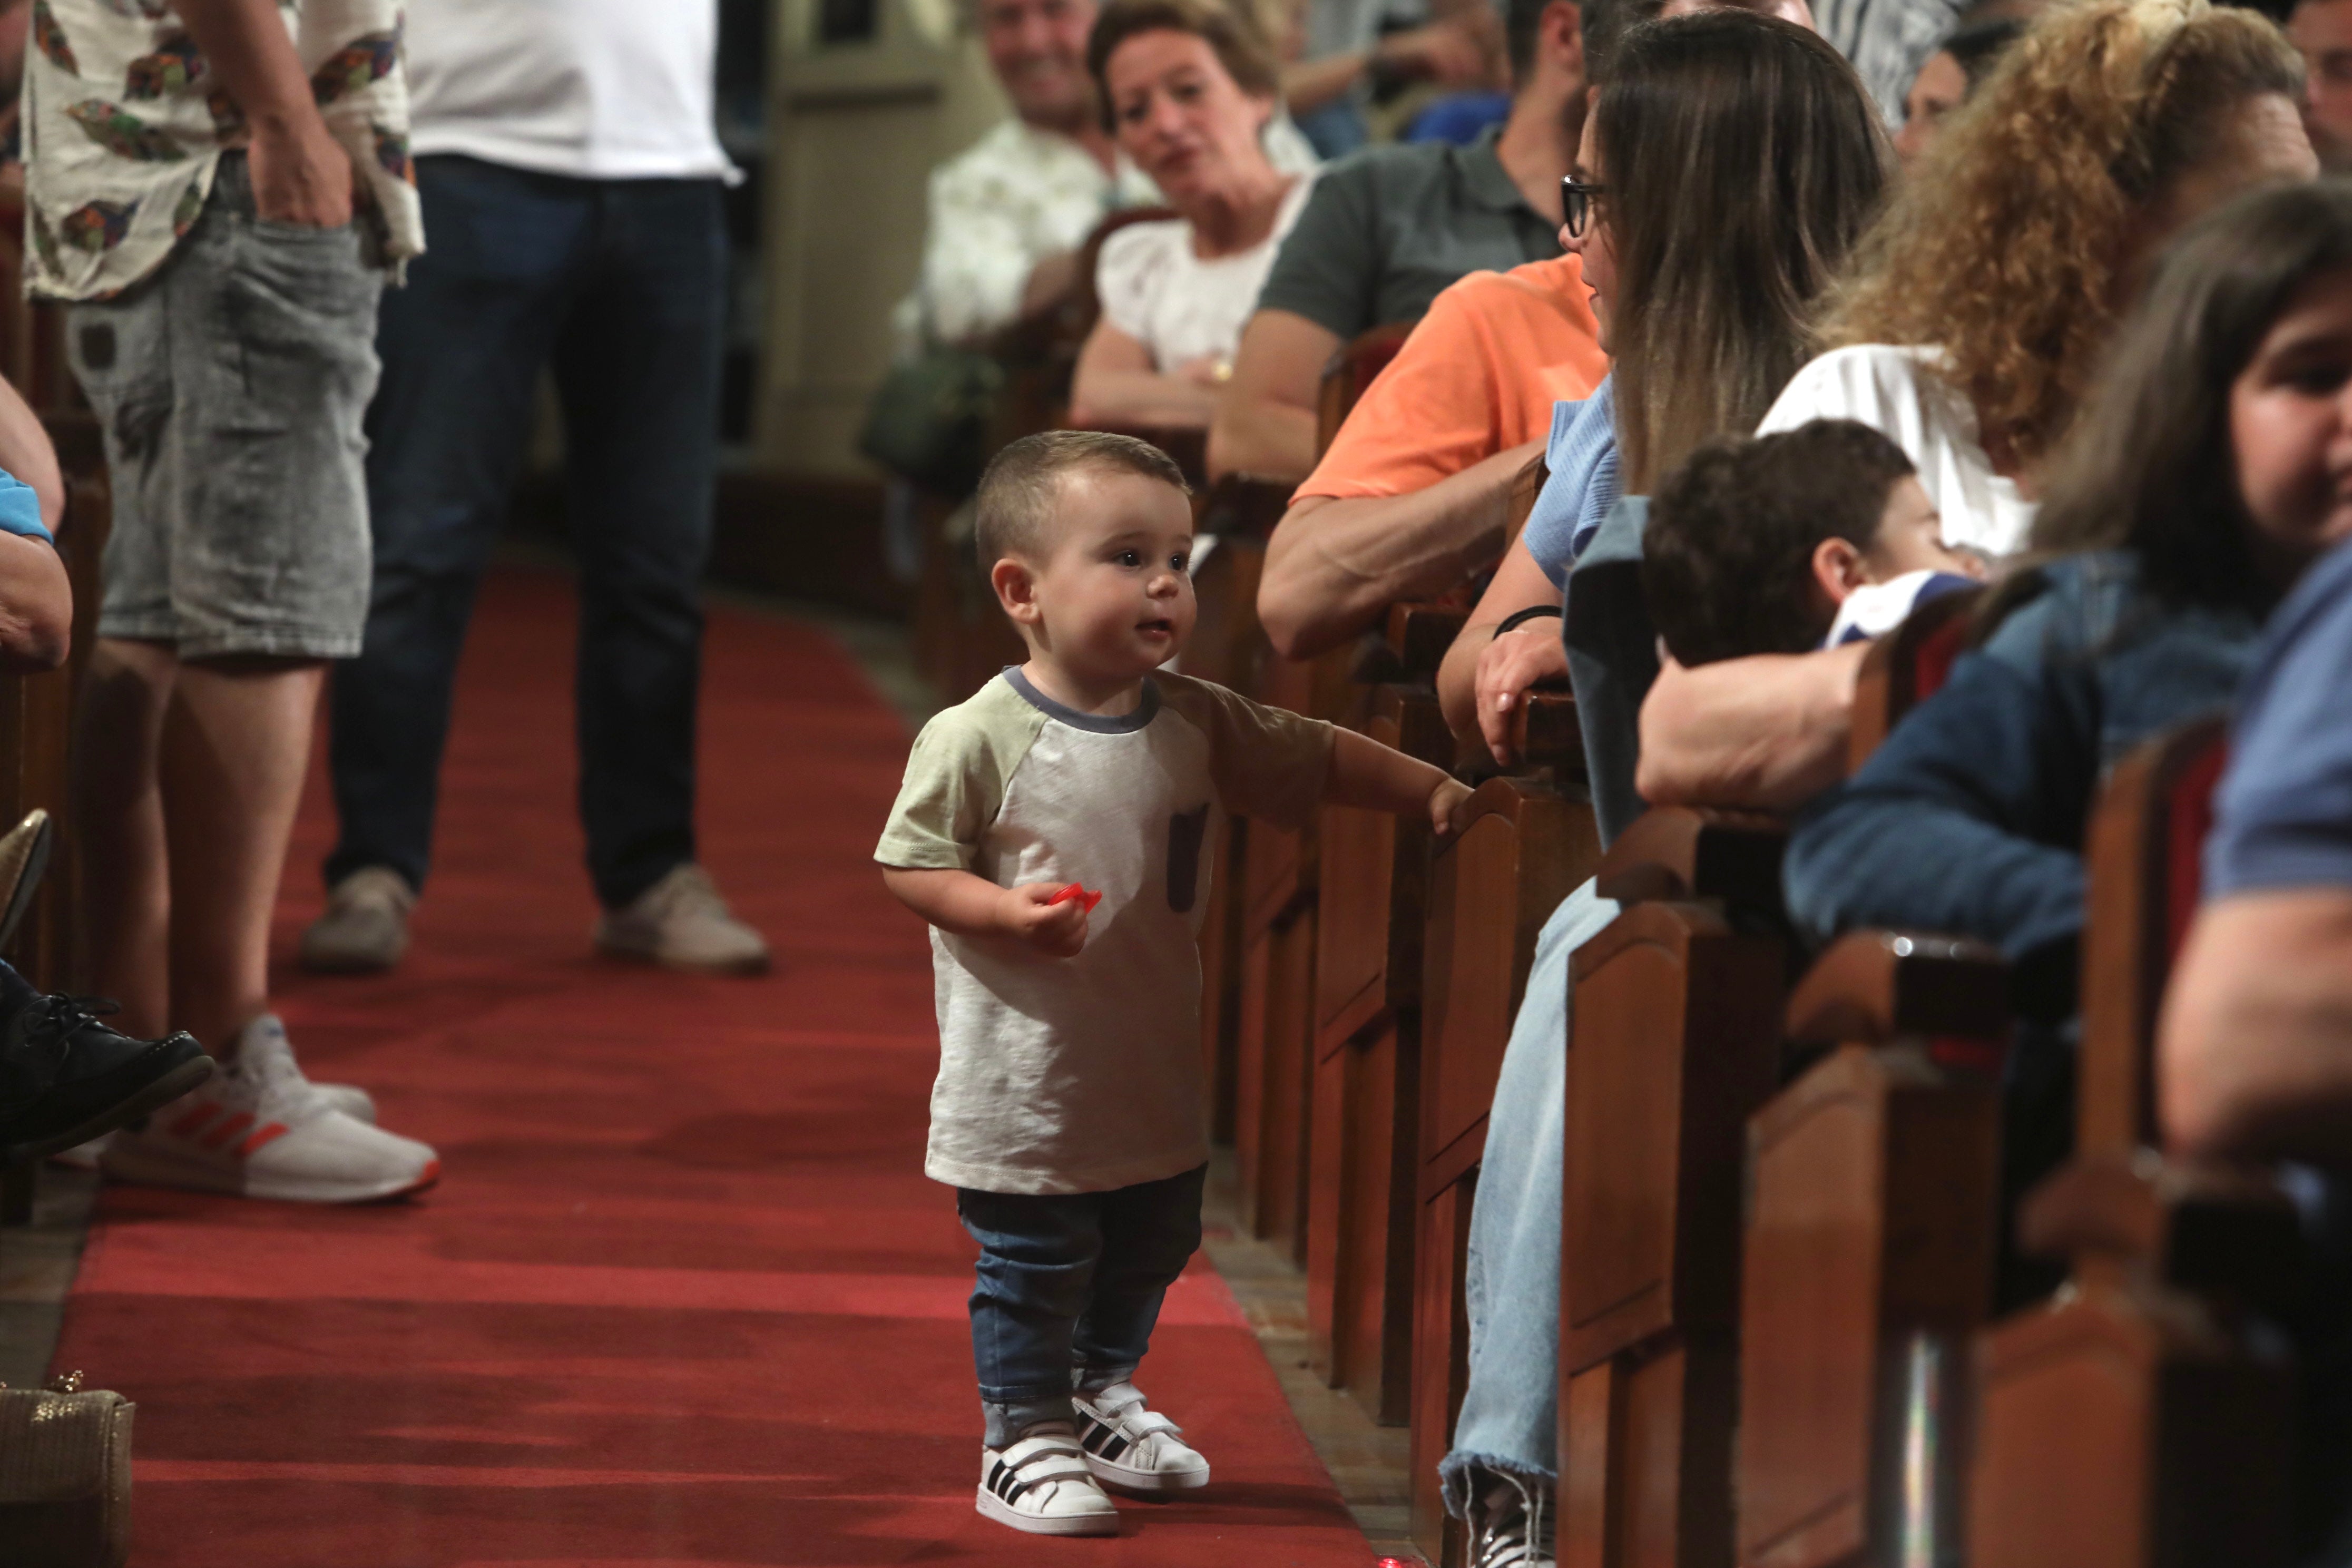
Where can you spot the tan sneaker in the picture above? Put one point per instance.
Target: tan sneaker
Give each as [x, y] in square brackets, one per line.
[681, 923]
[365, 928]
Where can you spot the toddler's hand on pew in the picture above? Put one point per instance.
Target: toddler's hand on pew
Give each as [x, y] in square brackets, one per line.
[1029, 913]
[1446, 805]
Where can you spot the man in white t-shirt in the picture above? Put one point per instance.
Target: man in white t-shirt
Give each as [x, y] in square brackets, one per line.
[571, 177]
[1008, 212]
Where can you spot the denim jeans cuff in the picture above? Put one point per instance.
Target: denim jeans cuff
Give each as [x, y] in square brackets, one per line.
[1094, 1379]
[1459, 1472]
[1007, 1420]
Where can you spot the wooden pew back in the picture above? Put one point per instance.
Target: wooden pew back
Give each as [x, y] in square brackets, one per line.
[1870, 1233]
[2145, 873]
[2136, 1421]
[1350, 371]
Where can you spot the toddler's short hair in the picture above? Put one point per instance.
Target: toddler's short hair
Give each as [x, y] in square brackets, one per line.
[1018, 491]
[1726, 556]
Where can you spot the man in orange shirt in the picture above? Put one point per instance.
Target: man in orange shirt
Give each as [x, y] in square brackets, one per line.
[1409, 499]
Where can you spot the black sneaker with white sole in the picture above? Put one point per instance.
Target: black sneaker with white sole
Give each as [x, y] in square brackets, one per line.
[1040, 1484]
[1132, 1448]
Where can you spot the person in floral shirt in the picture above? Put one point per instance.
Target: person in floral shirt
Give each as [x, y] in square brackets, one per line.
[219, 188]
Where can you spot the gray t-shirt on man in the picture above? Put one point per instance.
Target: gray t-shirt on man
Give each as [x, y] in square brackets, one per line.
[1389, 228]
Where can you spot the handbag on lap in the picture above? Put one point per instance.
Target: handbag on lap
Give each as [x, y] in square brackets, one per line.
[64, 1477]
[929, 419]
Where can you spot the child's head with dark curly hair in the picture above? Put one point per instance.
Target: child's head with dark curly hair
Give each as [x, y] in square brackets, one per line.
[1752, 546]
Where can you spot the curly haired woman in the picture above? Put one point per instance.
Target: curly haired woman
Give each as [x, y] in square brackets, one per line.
[1977, 312]
[1978, 305]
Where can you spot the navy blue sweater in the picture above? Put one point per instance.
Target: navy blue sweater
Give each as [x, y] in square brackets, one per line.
[1970, 818]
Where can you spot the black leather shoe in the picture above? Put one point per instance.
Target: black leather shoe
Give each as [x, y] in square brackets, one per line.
[65, 1077]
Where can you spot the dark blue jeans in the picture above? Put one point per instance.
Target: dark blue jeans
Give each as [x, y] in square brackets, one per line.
[1069, 1286]
[620, 287]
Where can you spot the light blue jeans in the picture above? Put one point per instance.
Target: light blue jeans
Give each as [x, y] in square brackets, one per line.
[1510, 1415]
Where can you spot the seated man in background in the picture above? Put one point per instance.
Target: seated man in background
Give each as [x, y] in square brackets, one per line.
[1008, 212]
[2255, 1056]
[1389, 228]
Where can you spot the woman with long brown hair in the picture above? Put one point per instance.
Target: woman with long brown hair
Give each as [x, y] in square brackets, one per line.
[1728, 164]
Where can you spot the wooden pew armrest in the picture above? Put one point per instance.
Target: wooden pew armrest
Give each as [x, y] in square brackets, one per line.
[2217, 1230]
[1244, 504]
[1410, 645]
[1692, 852]
[1873, 987]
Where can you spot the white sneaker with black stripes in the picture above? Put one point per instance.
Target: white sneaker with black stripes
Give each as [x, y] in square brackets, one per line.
[1133, 1447]
[1040, 1484]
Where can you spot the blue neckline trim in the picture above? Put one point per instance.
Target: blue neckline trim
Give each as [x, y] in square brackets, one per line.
[1121, 724]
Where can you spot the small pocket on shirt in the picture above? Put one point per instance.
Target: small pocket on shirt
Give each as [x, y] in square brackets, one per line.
[1186, 830]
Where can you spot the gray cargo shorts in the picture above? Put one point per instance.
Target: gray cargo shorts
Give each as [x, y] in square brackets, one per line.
[232, 384]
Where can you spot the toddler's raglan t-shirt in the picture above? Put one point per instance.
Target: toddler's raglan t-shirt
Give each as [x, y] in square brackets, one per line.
[1084, 1074]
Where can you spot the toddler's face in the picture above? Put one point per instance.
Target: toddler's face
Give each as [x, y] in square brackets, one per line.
[1114, 601]
[1910, 538]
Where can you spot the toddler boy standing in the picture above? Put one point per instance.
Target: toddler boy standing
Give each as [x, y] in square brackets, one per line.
[1068, 1113]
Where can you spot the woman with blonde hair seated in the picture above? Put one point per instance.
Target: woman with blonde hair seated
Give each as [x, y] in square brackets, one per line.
[1187, 89]
[1977, 314]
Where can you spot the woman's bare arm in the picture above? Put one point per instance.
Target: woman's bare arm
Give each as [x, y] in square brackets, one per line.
[2254, 1051]
[1333, 565]
[1767, 733]
[1480, 684]
[1265, 423]
[1117, 388]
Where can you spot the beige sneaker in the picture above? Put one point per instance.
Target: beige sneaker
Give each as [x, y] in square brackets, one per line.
[365, 928]
[681, 923]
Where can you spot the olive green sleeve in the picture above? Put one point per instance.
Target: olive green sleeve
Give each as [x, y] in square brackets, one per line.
[955, 780]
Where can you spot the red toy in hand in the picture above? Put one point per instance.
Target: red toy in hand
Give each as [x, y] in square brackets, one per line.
[1077, 890]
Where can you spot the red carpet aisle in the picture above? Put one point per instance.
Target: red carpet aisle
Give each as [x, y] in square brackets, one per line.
[683, 1297]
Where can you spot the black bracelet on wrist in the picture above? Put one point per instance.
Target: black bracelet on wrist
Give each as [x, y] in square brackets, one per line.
[1518, 618]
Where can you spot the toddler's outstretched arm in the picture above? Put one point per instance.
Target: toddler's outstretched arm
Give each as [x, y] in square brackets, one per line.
[965, 905]
[1366, 773]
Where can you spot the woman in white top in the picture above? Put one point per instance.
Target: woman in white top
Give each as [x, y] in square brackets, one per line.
[1188, 89]
[2013, 246]
[2026, 228]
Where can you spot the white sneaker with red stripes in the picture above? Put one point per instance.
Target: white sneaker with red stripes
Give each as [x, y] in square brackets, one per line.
[1040, 1484]
[260, 1129]
[1132, 1448]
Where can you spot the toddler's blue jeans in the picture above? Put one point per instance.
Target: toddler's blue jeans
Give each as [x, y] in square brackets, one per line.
[1069, 1286]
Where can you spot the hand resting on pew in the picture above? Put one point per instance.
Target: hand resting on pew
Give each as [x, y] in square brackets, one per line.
[1767, 733]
